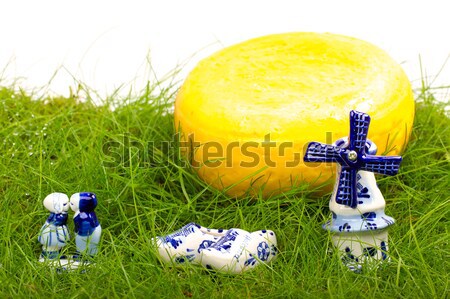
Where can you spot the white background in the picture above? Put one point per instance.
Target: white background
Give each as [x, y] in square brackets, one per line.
[111, 44]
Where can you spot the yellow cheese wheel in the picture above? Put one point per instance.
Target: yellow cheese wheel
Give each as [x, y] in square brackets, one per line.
[247, 112]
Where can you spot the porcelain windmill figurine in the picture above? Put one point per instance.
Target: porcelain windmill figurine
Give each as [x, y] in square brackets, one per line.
[357, 205]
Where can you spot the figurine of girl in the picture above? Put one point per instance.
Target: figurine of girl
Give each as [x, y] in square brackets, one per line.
[54, 233]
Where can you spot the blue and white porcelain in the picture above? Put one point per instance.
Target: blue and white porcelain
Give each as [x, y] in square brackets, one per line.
[87, 227]
[369, 213]
[357, 205]
[231, 251]
[54, 234]
[362, 248]
[186, 244]
[239, 251]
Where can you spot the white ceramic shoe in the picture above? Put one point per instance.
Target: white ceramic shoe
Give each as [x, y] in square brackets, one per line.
[186, 244]
[240, 251]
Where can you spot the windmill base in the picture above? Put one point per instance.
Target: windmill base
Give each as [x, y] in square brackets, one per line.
[361, 249]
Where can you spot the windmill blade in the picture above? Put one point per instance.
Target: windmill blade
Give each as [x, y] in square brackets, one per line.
[383, 165]
[320, 152]
[359, 127]
[346, 190]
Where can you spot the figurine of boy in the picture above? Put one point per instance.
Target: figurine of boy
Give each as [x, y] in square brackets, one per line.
[54, 233]
[87, 227]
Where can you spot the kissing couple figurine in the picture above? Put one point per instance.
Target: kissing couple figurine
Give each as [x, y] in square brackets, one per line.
[54, 234]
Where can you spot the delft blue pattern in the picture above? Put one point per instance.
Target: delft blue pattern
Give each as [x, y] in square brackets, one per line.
[183, 232]
[345, 227]
[375, 220]
[58, 219]
[370, 226]
[205, 244]
[174, 242]
[234, 249]
[363, 192]
[357, 154]
[225, 242]
[369, 251]
[347, 189]
[388, 220]
[370, 216]
[351, 261]
[354, 263]
[263, 251]
[54, 232]
[251, 261]
[273, 250]
[349, 255]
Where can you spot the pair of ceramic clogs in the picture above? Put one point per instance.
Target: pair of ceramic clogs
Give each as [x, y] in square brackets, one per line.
[231, 251]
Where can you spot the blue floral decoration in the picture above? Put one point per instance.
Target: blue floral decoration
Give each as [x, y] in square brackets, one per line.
[251, 261]
[263, 251]
[205, 244]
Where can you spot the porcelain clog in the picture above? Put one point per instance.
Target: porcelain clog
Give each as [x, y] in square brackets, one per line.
[186, 244]
[240, 250]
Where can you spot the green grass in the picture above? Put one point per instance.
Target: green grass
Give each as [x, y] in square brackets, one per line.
[59, 144]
